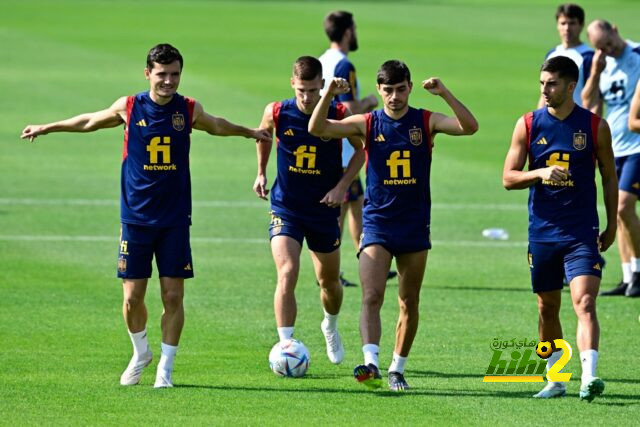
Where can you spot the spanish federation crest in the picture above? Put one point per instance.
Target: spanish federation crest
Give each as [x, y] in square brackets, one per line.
[178, 121]
[276, 224]
[579, 140]
[415, 136]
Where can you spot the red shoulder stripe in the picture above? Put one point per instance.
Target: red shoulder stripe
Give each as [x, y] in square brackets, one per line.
[276, 112]
[125, 146]
[595, 124]
[369, 121]
[528, 119]
[340, 110]
[191, 103]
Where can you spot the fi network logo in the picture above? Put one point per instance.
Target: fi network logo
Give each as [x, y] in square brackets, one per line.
[519, 365]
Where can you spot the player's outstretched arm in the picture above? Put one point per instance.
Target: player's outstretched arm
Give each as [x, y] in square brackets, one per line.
[513, 175]
[607, 167]
[634, 111]
[335, 196]
[222, 127]
[462, 124]
[591, 97]
[321, 126]
[88, 122]
[263, 150]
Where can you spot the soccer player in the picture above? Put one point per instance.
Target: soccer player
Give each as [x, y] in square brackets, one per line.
[570, 22]
[341, 31]
[305, 200]
[155, 201]
[615, 72]
[563, 143]
[397, 206]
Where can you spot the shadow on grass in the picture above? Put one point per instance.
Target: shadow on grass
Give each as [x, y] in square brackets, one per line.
[363, 391]
[633, 399]
[431, 374]
[526, 289]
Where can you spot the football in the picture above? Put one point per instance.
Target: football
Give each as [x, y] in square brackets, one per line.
[544, 349]
[289, 358]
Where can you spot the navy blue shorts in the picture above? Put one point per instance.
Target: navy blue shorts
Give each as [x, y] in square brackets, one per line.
[138, 244]
[550, 262]
[355, 190]
[398, 242]
[628, 171]
[321, 236]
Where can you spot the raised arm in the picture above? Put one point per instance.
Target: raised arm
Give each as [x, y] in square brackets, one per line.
[591, 97]
[513, 176]
[263, 150]
[346, 70]
[321, 126]
[222, 127]
[335, 196]
[87, 122]
[606, 165]
[634, 110]
[462, 124]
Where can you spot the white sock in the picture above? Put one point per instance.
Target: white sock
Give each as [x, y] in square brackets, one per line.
[626, 272]
[635, 264]
[397, 363]
[589, 361]
[166, 359]
[285, 333]
[332, 320]
[555, 356]
[371, 353]
[140, 342]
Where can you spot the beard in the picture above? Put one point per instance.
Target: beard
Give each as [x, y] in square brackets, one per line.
[353, 44]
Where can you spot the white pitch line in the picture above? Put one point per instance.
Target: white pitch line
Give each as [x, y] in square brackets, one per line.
[242, 204]
[249, 240]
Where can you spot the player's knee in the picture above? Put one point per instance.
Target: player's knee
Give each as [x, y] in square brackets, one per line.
[133, 300]
[172, 300]
[329, 284]
[548, 308]
[287, 272]
[373, 299]
[586, 304]
[626, 212]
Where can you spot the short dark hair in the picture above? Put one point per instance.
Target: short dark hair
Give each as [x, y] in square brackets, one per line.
[336, 23]
[565, 67]
[307, 68]
[393, 72]
[571, 10]
[165, 54]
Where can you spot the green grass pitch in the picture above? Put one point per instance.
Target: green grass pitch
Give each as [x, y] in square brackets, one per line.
[63, 343]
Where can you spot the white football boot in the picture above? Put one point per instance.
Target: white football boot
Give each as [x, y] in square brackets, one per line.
[131, 375]
[335, 350]
[552, 389]
[163, 379]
